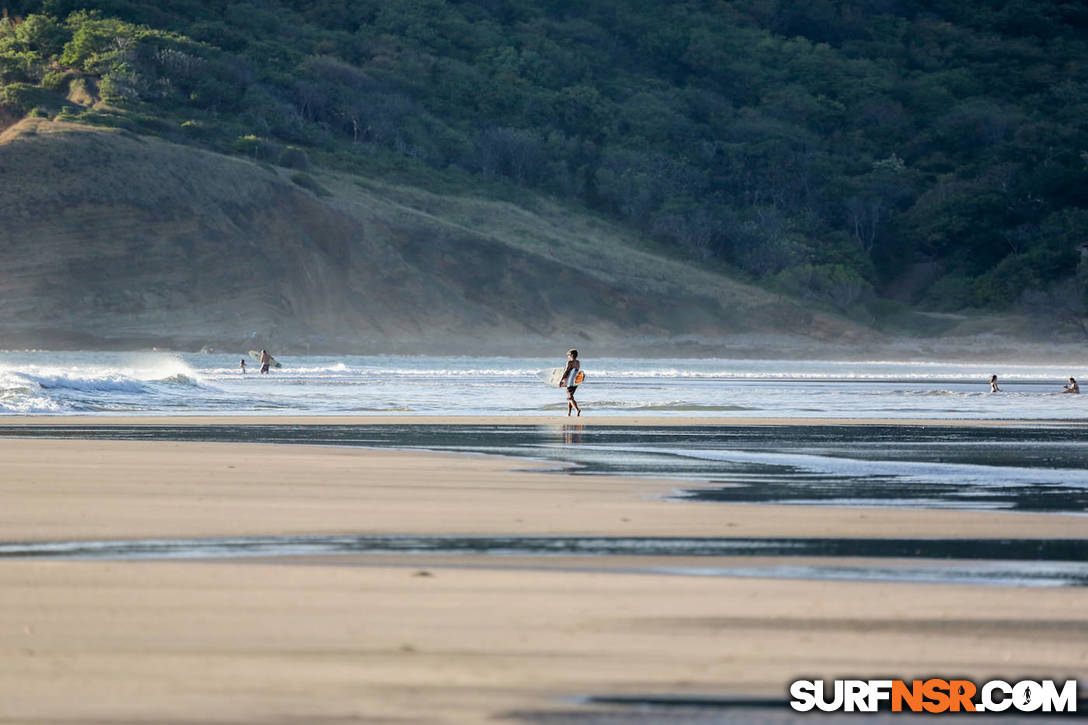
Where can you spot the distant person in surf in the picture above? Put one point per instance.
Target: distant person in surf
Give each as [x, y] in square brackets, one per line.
[993, 384]
[242, 365]
[266, 360]
[1072, 387]
[569, 375]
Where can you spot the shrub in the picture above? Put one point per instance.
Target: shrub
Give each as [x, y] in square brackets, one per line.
[56, 81]
[254, 147]
[196, 129]
[22, 98]
[42, 34]
[18, 67]
[310, 184]
[295, 158]
[121, 85]
[96, 42]
[833, 284]
[1017, 273]
[948, 293]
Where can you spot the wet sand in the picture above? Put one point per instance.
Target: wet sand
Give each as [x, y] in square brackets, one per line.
[74, 489]
[453, 639]
[545, 420]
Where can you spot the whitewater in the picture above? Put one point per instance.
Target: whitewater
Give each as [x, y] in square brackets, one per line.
[155, 383]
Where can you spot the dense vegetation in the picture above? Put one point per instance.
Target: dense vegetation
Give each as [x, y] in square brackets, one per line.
[930, 151]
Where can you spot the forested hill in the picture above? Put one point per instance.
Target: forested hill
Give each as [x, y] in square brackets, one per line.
[860, 155]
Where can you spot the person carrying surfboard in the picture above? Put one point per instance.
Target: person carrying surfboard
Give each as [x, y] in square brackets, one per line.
[266, 360]
[570, 380]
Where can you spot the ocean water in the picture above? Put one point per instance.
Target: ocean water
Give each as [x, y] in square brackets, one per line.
[99, 383]
[1017, 562]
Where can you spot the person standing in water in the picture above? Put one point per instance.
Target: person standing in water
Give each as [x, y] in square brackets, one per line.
[242, 365]
[1072, 387]
[569, 375]
[266, 360]
[993, 384]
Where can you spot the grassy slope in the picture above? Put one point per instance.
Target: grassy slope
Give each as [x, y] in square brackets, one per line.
[931, 151]
[117, 239]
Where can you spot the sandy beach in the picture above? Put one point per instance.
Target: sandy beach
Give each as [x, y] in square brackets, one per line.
[72, 489]
[453, 639]
[541, 420]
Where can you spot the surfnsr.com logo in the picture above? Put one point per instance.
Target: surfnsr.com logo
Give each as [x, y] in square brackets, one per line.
[933, 696]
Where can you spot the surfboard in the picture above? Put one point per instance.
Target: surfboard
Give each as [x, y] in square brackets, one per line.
[273, 362]
[551, 377]
[555, 376]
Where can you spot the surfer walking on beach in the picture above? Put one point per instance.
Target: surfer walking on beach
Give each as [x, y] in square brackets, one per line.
[266, 360]
[569, 375]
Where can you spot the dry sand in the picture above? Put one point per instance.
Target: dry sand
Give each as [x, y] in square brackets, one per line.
[329, 640]
[232, 643]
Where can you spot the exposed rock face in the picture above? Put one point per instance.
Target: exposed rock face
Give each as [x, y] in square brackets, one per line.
[114, 240]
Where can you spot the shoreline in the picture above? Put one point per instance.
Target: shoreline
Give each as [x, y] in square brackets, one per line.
[519, 420]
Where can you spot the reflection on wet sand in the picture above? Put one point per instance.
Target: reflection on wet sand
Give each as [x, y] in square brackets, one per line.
[573, 435]
[1014, 468]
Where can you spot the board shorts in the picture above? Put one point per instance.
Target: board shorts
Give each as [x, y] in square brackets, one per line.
[264, 368]
[571, 389]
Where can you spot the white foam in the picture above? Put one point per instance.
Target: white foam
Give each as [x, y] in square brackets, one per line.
[160, 383]
[30, 405]
[985, 573]
[88, 383]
